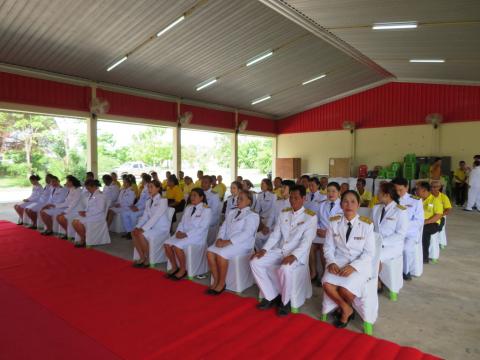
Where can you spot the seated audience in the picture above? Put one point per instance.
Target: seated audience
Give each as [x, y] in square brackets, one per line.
[131, 215]
[110, 189]
[36, 194]
[125, 199]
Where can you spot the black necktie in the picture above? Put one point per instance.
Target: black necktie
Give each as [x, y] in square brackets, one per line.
[193, 211]
[383, 214]
[238, 213]
[349, 230]
[332, 204]
[264, 196]
[311, 197]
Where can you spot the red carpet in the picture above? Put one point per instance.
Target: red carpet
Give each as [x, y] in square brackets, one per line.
[59, 302]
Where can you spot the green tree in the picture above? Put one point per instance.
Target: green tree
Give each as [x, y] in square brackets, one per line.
[152, 146]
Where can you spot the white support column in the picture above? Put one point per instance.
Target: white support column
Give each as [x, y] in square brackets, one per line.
[92, 153]
[234, 143]
[274, 156]
[177, 144]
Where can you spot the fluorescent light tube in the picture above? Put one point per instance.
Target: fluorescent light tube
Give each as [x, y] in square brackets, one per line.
[111, 67]
[395, 25]
[427, 60]
[176, 22]
[259, 100]
[259, 58]
[205, 84]
[314, 79]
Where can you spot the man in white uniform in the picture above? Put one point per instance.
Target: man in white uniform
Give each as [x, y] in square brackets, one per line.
[415, 216]
[286, 248]
[474, 187]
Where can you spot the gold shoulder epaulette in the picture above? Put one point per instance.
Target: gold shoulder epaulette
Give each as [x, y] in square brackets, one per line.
[205, 205]
[335, 218]
[401, 207]
[415, 197]
[310, 212]
[365, 219]
[287, 209]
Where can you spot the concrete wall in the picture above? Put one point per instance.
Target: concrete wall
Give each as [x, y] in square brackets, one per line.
[381, 146]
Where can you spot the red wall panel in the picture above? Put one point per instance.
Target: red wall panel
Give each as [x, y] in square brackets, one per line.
[259, 124]
[210, 117]
[392, 104]
[38, 92]
[136, 106]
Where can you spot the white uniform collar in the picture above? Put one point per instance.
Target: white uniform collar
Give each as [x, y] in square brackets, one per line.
[353, 221]
[298, 212]
[391, 205]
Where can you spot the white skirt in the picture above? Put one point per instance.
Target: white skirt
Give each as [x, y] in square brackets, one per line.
[118, 210]
[158, 231]
[185, 242]
[229, 252]
[35, 206]
[24, 204]
[53, 212]
[353, 283]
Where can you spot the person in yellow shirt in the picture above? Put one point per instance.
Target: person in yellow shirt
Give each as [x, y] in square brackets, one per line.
[375, 200]
[181, 179]
[198, 183]
[174, 195]
[115, 179]
[460, 183]
[323, 185]
[143, 177]
[188, 186]
[164, 182]
[220, 188]
[436, 187]
[134, 186]
[365, 196]
[433, 213]
[277, 187]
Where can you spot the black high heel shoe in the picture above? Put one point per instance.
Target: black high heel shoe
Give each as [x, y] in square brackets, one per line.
[215, 292]
[340, 325]
[176, 278]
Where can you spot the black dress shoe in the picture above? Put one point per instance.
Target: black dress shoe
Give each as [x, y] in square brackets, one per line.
[64, 237]
[268, 304]
[80, 245]
[210, 291]
[137, 265]
[284, 310]
[425, 261]
[47, 233]
[340, 325]
[407, 277]
[170, 275]
[33, 227]
[20, 223]
[215, 292]
[178, 278]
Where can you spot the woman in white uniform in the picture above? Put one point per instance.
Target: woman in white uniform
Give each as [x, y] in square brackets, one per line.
[327, 209]
[192, 230]
[125, 199]
[37, 191]
[314, 198]
[91, 220]
[265, 201]
[67, 208]
[349, 250]
[232, 200]
[57, 197]
[154, 223]
[248, 186]
[236, 237]
[30, 213]
[110, 189]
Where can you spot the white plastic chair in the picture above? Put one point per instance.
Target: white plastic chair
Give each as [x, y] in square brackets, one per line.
[365, 305]
[434, 249]
[156, 249]
[117, 224]
[196, 260]
[239, 274]
[391, 276]
[417, 269]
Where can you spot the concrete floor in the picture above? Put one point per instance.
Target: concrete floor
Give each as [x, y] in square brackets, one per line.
[438, 313]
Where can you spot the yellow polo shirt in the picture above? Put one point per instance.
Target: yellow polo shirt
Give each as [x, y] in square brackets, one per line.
[373, 202]
[197, 184]
[460, 174]
[174, 193]
[445, 201]
[365, 197]
[220, 189]
[187, 189]
[431, 207]
[278, 192]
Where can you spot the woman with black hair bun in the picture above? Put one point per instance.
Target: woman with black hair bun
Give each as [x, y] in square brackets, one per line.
[37, 191]
[390, 220]
[192, 230]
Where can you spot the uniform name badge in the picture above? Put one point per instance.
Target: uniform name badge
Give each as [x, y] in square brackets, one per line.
[390, 218]
[358, 238]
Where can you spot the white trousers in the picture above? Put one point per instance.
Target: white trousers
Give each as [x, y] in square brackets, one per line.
[473, 198]
[273, 278]
[409, 254]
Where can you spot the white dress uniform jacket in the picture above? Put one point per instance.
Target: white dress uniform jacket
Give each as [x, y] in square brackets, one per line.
[214, 204]
[293, 235]
[96, 230]
[239, 227]
[70, 206]
[111, 192]
[474, 189]
[414, 229]
[57, 196]
[279, 205]
[231, 204]
[264, 205]
[36, 194]
[42, 200]
[314, 201]
[392, 228]
[155, 222]
[357, 252]
[195, 223]
[326, 211]
[126, 197]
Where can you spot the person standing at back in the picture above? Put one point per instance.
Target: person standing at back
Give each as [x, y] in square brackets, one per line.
[460, 180]
[474, 187]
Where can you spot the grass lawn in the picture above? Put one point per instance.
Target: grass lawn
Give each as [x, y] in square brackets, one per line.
[9, 182]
